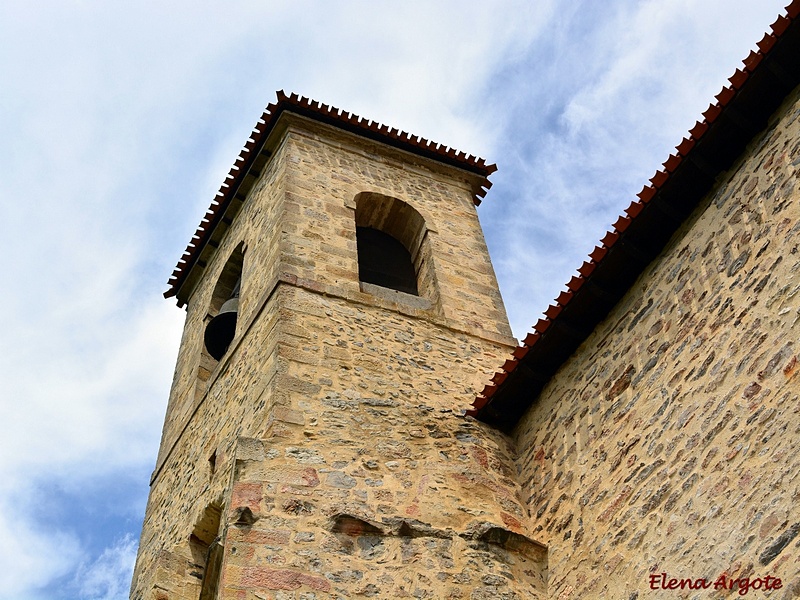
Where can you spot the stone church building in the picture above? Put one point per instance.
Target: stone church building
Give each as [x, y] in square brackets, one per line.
[323, 438]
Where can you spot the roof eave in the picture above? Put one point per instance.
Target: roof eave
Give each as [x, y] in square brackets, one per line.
[742, 110]
[253, 157]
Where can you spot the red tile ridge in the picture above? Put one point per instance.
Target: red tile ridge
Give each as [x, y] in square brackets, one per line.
[738, 78]
[766, 42]
[646, 194]
[479, 402]
[531, 338]
[752, 60]
[659, 179]
[724, 97]
[564, 297]
[712, 112]
[520, 351]
[698, 130]
[499, 377]
[598, 253]
[780, 25]
[609, 239]
[685, 146]
[575, 283]
[586, 269]
[489, 389]
[622, 223]
[331, 115]
[552, 311]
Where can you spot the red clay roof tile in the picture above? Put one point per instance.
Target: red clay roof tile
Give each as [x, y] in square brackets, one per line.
[332, 116]
[712, 112]
[672, 162]
[520, 351]
[597, 254]
[531, 338]
[740, 78]
[634, 209]
[610, 238]
[551, 313]
[647, 193]
[564, 297]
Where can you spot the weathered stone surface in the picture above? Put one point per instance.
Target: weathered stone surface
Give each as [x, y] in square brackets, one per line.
[685, 460]
[341, 457]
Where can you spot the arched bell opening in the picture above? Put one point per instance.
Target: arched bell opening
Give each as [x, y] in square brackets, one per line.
[393, 246]
[221, 330]
[219, 327]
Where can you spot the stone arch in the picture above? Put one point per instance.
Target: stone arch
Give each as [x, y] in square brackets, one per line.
[382, 220]
[227, 286]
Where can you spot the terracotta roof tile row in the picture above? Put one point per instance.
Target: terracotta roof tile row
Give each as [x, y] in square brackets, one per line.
[325, 114]
[502, 401]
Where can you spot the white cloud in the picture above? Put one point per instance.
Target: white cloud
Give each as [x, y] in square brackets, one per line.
[108, 577]
[32, 555]
[96, 400]
[617, 88]
[121, 121]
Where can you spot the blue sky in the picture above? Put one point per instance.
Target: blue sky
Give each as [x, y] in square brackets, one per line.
[119, 121]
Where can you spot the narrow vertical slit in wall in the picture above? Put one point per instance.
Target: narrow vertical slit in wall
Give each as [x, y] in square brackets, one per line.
[212, 462]
[213, 570]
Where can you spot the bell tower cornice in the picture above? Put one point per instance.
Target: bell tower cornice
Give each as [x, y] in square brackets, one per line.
[256, 153]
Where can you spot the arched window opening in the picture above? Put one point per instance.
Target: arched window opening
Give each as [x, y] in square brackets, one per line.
[220, 321]
[221, 330]
[384, 261]
[393, 246]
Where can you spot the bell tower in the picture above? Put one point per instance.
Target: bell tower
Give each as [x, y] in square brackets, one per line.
[341, 313]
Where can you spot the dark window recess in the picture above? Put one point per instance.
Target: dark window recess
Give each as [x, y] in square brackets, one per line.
[384, 261]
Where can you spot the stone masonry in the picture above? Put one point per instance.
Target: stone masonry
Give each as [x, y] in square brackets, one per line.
[669, 441]
[326, 454]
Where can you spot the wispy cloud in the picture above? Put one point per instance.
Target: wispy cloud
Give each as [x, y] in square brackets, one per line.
[35, 554]
[108, 577]
[120, 121]
[592, 110]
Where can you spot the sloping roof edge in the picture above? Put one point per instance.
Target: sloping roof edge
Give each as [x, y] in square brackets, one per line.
[325, 114]
[741, 111]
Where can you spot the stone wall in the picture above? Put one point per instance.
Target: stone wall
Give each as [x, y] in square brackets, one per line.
[668, 443]
[373, 484]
